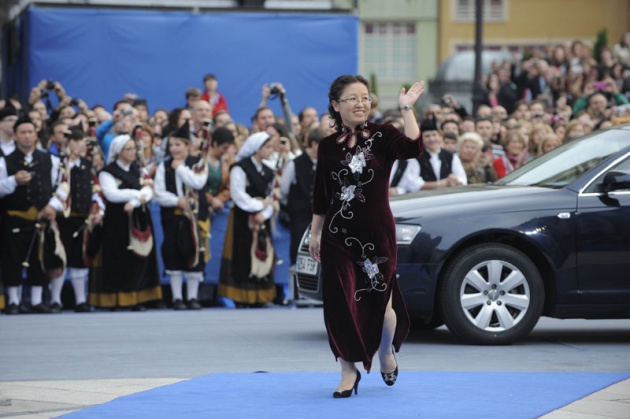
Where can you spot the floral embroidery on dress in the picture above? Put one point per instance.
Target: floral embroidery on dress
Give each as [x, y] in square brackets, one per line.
[351, 181]
[349, 192]
[359, 160]
[375, 281]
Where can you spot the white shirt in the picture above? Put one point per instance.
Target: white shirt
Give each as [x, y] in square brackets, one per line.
[8, 183]
[7, 147]
[456, 167]
[410, 180]
[238, 180]
[61, 194]
[184, 176]
[109, 186]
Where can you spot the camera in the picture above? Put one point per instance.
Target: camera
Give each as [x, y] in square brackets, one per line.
[92, 143]
[601, 85]
[274, 89]
[43, 93]
[127, 111]
[74, 101]
[50, 85]
[446, 101]
[92, 122]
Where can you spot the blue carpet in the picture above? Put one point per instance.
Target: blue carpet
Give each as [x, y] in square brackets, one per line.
[309, 395]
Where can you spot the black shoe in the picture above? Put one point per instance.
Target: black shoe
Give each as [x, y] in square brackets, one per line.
[390, 378]
[55, 308]
[82, 308]
[194, 304]
[159, 305]
[24, 309]
[342, 394]
[41, 308]
[179, 305]
[12, 309]
[138, 307]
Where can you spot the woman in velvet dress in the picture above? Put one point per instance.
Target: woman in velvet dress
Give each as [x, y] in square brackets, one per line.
[353, 231]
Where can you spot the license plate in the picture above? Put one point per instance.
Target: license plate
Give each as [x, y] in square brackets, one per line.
[306, 265]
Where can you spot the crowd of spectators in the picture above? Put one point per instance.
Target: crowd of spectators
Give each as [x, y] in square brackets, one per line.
[529, 107]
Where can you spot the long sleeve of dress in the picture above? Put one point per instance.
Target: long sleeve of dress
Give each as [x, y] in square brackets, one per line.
[321, 189]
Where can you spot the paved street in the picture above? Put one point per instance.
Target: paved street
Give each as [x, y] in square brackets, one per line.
[50, 365]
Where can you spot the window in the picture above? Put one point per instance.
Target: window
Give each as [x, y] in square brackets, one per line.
[389, 50]
[493, 10]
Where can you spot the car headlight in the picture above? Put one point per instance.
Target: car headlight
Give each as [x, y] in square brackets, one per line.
[405, 233]
[306, 238]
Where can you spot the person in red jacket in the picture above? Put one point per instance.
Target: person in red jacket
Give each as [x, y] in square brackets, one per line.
[211, 95]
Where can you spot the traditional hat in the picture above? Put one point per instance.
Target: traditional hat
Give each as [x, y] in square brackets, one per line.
[116, 147]
[8, 110]
[252, 145]
[182, 132]
[429, 124]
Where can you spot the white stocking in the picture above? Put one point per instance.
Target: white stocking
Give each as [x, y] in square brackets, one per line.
[36, 295]
[14, 295]
[176, 284]
[56, 285]
[79, 277]
[192, 284]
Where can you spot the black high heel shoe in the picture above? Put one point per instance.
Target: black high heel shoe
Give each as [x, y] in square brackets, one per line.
[342, 394]
[390, 378]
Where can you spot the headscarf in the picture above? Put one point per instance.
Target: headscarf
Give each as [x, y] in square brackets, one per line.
[252, 145]
[118, 143]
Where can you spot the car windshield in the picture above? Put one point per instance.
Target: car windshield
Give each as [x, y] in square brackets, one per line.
[564, 164]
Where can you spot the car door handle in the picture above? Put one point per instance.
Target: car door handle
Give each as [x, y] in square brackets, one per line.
[564, 215]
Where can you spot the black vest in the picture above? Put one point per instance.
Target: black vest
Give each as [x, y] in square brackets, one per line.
[258, 184]
[171, 186]
[300, 200]
[39, 190]
[81, 180]
[426, 170]
[400, 171]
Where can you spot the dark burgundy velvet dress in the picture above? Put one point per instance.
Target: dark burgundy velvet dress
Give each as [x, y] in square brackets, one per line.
[358, 241]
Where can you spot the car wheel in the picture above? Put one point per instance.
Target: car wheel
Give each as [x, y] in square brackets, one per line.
[491, 294]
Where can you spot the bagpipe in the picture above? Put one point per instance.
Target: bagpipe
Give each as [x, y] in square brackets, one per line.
[51, 253]
[140, 231]
[262, 253]
[199, 230]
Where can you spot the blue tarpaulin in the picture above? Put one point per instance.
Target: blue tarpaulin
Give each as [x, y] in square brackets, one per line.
[101, 54]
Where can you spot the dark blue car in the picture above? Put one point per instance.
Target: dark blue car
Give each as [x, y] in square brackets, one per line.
[551, 239]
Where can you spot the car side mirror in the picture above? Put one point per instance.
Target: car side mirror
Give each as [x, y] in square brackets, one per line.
[615, 181]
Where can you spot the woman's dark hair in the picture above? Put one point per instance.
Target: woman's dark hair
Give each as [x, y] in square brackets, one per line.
[173, 117]
[282, 129]
[336, 88]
